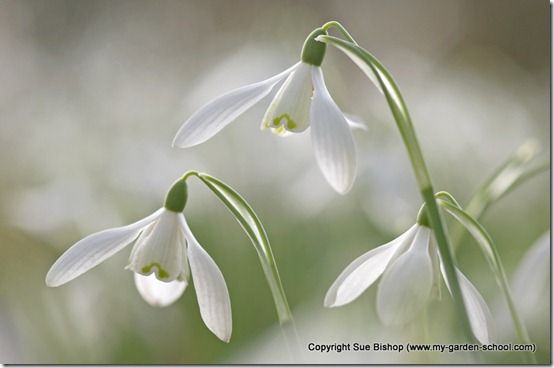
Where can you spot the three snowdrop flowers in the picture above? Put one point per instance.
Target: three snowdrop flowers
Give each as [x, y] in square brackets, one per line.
[410, 264]
[166, 255]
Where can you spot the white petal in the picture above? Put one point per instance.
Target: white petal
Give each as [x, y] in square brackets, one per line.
[94, 249]
[406, 285]
[290, 108]
[436, 262]
[218, 113]
[478, 312]
[159, 293]
[160, 248]
[185, 273]
[211, 290]
[480, 318]
[355, 122]
[364, 270]
[331, 138]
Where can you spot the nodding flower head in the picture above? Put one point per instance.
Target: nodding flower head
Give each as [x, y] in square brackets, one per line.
[410, 269]
[164, 257]
[302, 101]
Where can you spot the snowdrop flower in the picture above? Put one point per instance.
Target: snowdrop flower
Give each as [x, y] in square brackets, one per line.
[163, 257]
[302, 101]
[410, 267]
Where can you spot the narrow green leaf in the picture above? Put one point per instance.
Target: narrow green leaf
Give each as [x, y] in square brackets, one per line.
[504, 179]
[253, 227]
[513, 172]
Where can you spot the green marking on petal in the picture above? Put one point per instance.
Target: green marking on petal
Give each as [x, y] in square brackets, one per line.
[280, 130]
[163, 274]
[285, 120]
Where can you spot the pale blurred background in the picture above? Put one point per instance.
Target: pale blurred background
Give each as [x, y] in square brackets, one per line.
[92, 93]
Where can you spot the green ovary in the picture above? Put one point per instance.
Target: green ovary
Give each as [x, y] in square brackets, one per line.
[163, 274]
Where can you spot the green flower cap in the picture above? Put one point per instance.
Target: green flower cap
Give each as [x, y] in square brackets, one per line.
[313, 51]
[176, 197]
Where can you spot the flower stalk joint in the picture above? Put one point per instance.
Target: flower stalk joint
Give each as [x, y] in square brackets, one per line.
[313, 51]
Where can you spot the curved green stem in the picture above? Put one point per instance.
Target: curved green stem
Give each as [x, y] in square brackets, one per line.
[369, 64]
[253, 227]
[189, 173]
[340, 27]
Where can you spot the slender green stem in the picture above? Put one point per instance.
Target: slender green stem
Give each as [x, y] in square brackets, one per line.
[404, 124]
[340, 27]
[253, 227]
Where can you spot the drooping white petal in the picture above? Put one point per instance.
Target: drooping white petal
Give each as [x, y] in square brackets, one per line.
[364, 270]
[290, 108]
[218, 113]
[480, 317]
[331, 138]
[159, 293]
[435, 261]
[406, 284]
[211, 290]
[94, 249]
[160, 248]
[185, 272]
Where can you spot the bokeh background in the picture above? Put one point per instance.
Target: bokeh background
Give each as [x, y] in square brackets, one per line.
[92, 93]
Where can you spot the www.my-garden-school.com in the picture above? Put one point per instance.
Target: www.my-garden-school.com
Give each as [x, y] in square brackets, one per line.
[411, 347]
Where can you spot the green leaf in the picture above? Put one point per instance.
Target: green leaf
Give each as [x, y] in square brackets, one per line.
[253, 227]
[508, 175]
[513, 172]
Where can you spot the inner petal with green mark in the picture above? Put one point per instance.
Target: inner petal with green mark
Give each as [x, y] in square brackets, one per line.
[161, 273]
[161, 248]
[290, 108]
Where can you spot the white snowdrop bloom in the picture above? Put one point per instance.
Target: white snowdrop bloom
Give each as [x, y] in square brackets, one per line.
[302, 101]
[164, 255]
[409, 267]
